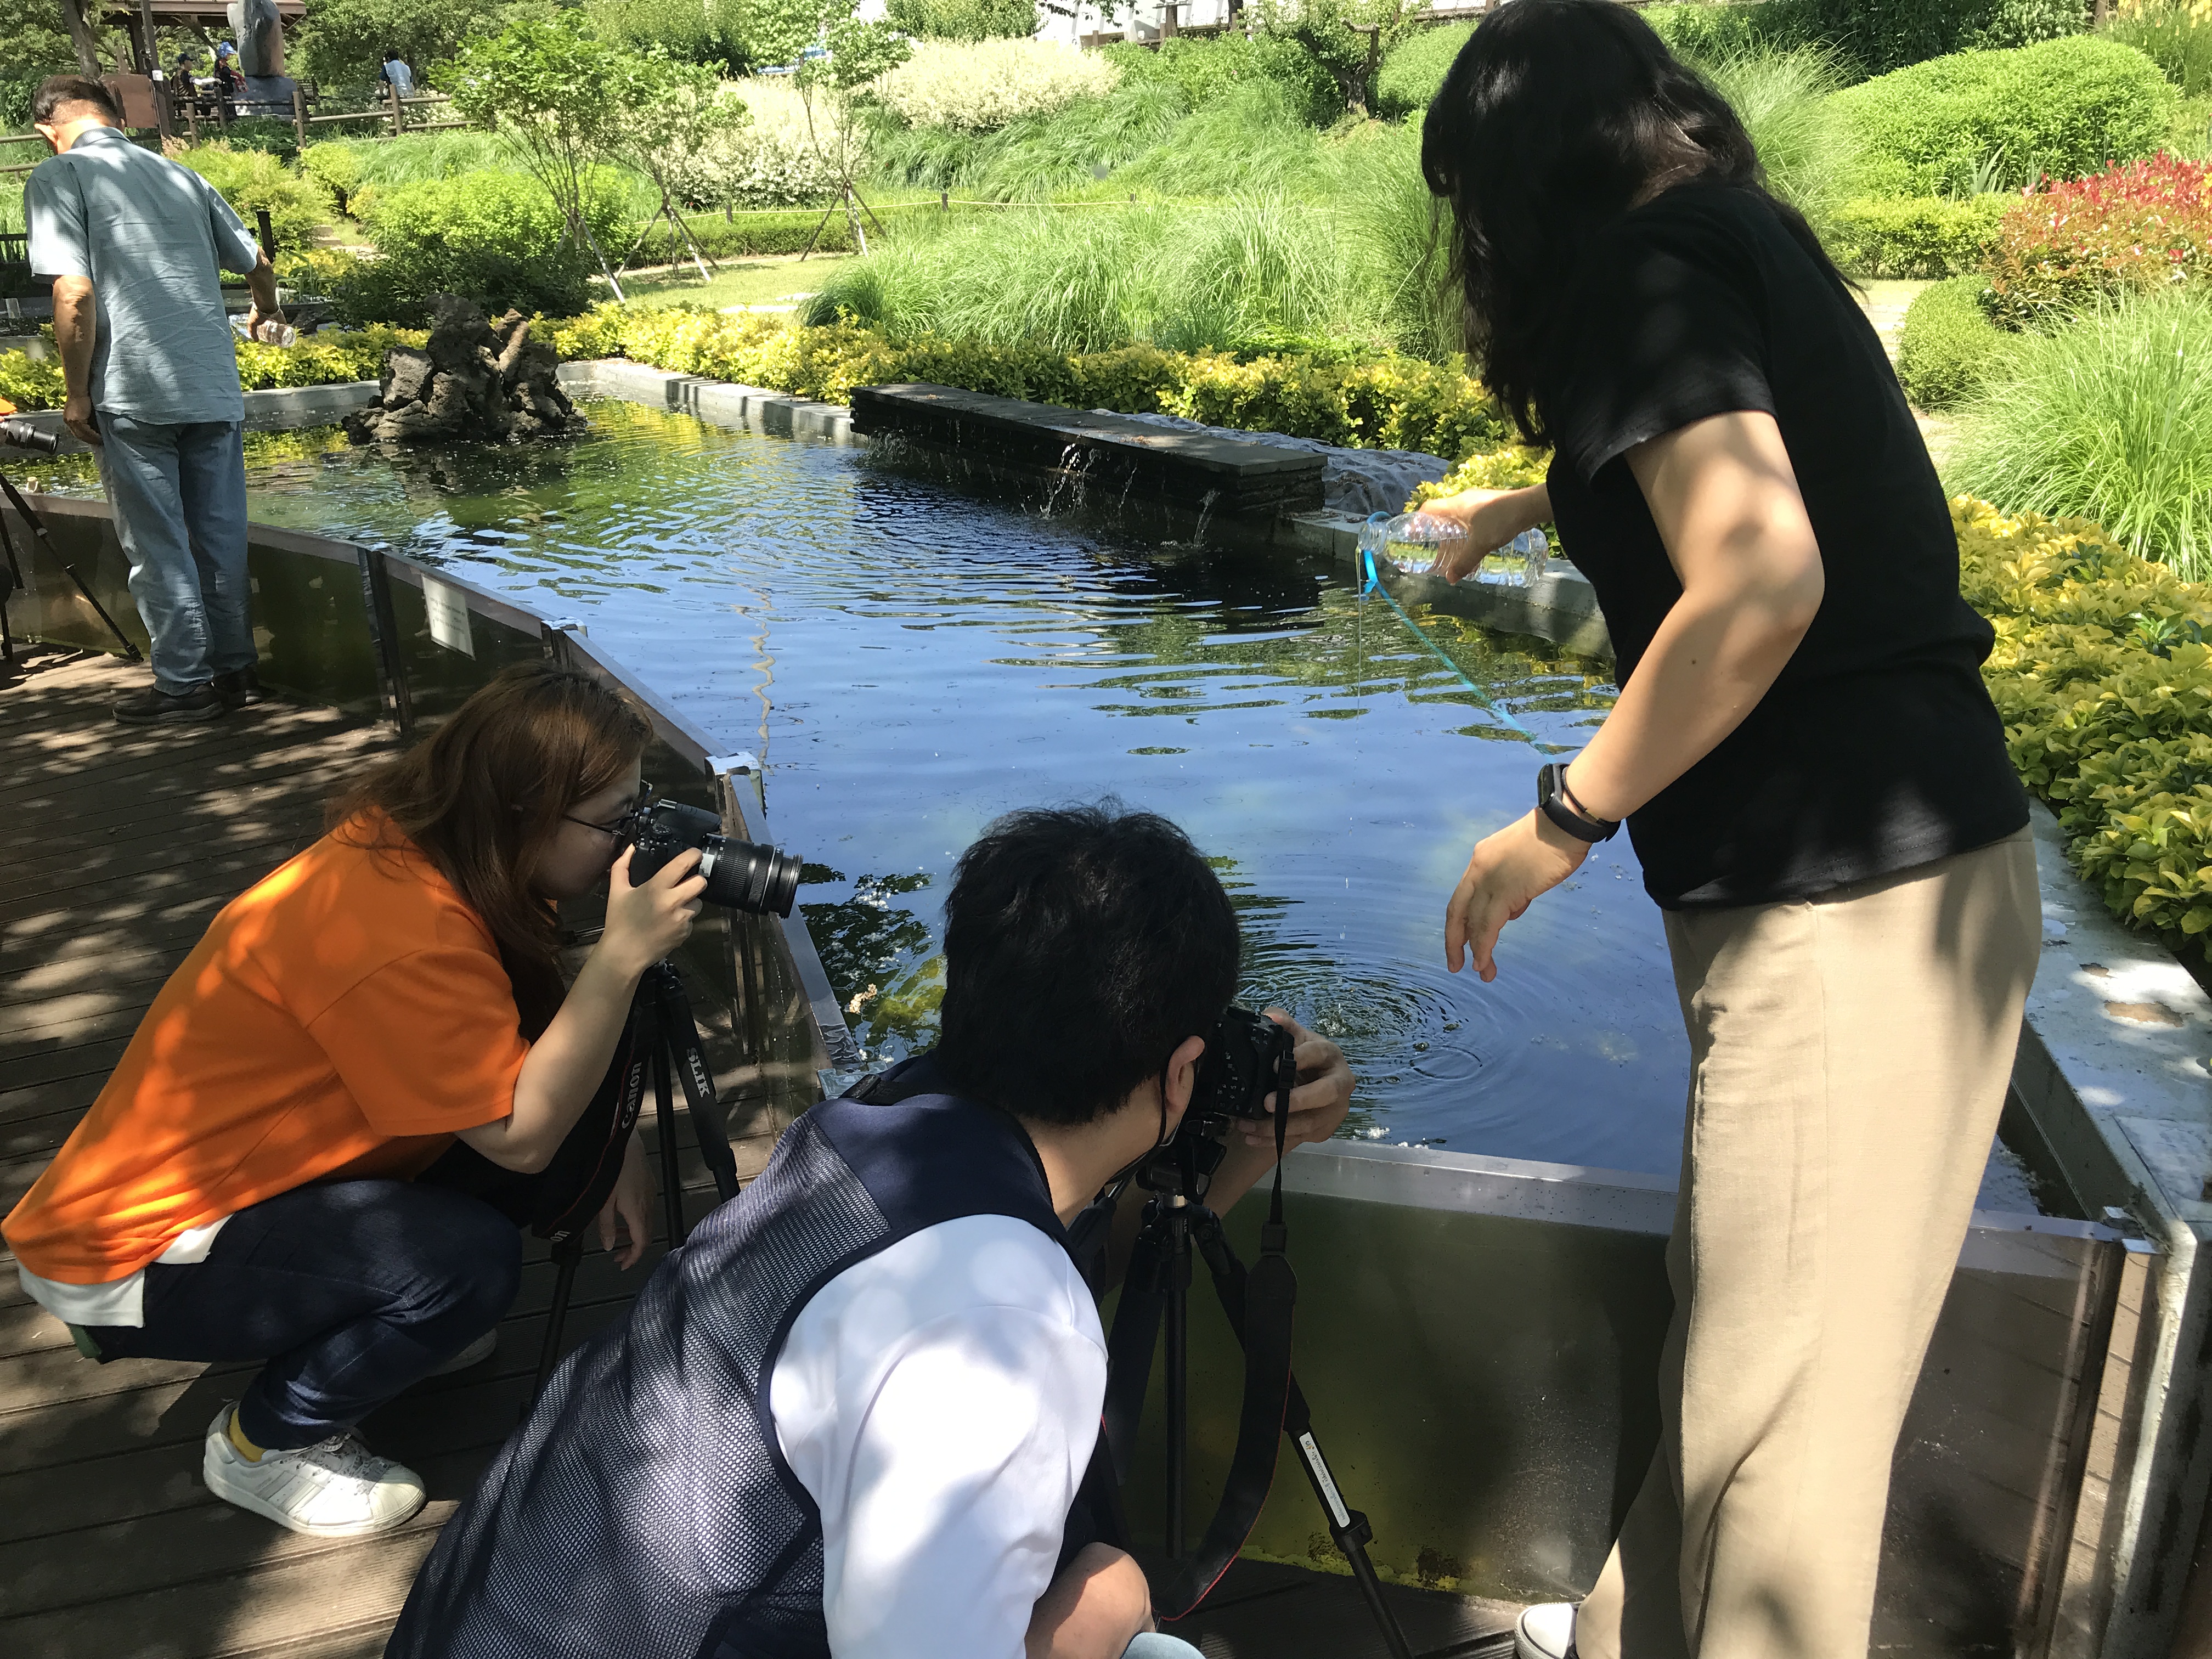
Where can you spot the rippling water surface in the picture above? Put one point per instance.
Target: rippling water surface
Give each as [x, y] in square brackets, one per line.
[909, 660]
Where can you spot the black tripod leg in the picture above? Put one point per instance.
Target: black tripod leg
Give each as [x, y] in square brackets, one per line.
[1129, 1347]
[1347, 1528]
[566, 1254]
[37, 528]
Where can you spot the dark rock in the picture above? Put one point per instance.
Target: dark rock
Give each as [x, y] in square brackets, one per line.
[473, 380]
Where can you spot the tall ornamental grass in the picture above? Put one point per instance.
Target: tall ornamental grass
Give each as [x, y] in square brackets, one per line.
[1031, 158]
[2110, 419]
[2175, 34]
[984, 85]
[1809, 149]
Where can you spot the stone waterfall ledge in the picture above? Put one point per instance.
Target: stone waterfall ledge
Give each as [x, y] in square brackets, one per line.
[721, 403]
[1193, 470]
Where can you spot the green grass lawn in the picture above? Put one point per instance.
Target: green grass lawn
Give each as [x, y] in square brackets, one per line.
[765, 280]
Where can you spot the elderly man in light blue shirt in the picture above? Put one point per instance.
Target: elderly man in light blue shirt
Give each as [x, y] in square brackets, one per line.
[135, 245]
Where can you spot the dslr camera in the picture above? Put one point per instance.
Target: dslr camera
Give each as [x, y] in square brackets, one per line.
[741, 875]
[1247, 1058]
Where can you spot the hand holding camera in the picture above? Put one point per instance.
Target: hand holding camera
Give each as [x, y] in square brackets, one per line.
[646, 922]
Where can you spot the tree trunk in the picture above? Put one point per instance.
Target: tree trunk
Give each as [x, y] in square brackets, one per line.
[82, 37]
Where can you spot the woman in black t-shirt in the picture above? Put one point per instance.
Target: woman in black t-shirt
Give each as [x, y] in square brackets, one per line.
[1814, 777]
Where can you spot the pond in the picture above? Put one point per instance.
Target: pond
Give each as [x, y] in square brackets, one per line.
[909, 658]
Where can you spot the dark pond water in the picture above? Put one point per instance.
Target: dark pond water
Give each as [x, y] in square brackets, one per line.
[909, 660]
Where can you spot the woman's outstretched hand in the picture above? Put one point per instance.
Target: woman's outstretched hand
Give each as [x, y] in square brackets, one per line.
[1491, 518]
[648, 921]
[1530, 855]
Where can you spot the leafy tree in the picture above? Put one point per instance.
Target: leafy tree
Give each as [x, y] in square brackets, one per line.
[708, 32]
[343, 41]
[678, 134]
[1349, 37]
[964, 20]
[836, 55]
[561, 96]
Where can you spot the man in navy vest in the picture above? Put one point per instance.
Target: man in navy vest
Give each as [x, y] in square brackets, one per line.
[848, 1420]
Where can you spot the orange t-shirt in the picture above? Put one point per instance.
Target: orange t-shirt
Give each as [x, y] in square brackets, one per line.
[341, 1019]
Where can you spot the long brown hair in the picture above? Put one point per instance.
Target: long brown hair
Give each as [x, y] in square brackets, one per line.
[484, 794]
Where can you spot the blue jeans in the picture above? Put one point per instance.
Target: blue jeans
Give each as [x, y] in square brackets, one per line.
[351, 1291]
[179, 496]
[1155, 1644]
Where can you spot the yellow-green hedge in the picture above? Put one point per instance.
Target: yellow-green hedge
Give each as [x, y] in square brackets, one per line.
[2105, 683]
[317, 359]
[1385, 402]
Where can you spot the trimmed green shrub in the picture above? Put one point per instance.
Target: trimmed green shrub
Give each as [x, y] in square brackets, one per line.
[252, 179]
[2065, 108]
[1375, 399]
[325, 359]
[746, 234]
[2105, 685]
[1917, 236]
[495, 237]
[1413, 70]
[2109, 419]
[1948, 346]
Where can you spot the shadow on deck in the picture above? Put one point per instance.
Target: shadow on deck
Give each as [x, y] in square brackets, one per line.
[117, 847]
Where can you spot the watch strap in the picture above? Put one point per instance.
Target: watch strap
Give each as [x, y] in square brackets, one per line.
[1551, 801]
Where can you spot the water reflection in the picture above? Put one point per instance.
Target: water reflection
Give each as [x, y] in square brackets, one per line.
[910, 661]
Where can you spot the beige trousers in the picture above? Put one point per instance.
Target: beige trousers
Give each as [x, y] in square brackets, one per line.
[1848, 1060]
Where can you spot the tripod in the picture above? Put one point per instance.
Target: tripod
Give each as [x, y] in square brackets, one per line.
[1155, 1295]
[661, 1043]
[11, 580]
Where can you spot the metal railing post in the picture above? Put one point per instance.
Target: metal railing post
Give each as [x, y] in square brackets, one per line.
[384, 634]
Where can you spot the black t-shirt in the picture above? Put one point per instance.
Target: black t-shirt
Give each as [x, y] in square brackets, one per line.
[1877, 749]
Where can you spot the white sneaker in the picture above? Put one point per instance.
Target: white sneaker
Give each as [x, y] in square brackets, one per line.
[1546, 1630]
[336, 1488]
[475, 1354]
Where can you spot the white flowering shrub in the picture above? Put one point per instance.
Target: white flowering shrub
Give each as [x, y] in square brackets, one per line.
[983, 85]
[772, 160]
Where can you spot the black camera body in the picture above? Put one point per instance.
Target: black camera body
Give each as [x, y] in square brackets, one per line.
[741, 875]
[1247, 1058]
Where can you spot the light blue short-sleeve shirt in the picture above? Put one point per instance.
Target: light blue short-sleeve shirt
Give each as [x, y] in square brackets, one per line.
[154, 237]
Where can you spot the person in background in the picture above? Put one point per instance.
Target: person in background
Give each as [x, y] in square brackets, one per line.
[226, 76]
[1812, 773]
[396, 74]
[135, 245]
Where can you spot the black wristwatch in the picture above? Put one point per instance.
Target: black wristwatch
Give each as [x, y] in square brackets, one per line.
[1551, 801]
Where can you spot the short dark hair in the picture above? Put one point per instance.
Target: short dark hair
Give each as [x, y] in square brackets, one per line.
[58, 91]
[1082, 946]
[391, 54]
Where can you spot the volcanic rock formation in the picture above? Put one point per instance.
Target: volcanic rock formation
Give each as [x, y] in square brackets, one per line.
[472, 379]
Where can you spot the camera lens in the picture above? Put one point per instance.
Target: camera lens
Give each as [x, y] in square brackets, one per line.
[746, 875]
[23, 435]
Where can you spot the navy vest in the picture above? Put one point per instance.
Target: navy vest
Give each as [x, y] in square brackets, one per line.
[645, 1510]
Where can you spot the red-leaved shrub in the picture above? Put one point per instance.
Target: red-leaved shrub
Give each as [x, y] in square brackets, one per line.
[2128, 228]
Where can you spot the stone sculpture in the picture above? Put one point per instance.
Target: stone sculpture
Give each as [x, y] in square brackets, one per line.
[472, 379]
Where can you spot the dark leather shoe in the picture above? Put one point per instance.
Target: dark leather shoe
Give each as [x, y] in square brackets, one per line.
[240, 688]
[155, 707]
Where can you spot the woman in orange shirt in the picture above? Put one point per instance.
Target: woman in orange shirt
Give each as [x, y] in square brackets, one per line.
[242, 1188]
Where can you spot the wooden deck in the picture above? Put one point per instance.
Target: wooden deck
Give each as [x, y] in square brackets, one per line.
[117, 846]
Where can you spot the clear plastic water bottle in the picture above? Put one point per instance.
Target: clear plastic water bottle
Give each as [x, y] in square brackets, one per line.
[272, 331]
[1411, 544]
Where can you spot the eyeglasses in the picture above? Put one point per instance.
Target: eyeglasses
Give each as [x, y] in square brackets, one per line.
[620, 827]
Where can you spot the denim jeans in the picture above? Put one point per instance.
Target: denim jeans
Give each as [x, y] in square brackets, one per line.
[179, 496]
[351, 1291]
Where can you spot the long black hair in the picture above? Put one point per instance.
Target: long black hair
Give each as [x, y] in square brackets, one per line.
[1557, 117]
